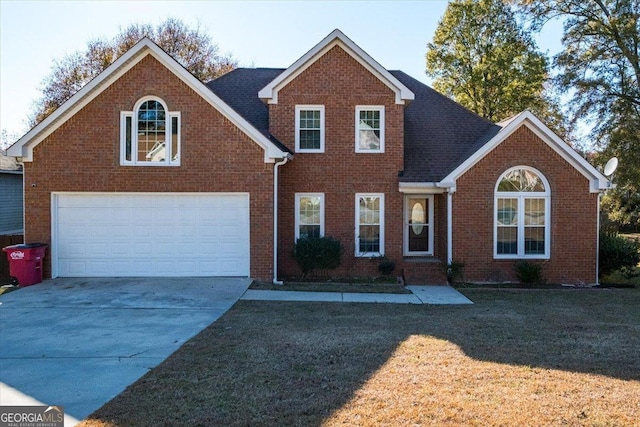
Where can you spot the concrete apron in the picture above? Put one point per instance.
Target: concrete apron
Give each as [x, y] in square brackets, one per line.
[78, 343]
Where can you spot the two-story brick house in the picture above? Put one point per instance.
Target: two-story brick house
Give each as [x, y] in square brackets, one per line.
[147, 171]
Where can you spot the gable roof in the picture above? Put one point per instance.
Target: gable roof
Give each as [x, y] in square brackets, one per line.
[25, 145]
[238, 89]
[335, 38]
[442, 138]
[438, 133]
[597, 180]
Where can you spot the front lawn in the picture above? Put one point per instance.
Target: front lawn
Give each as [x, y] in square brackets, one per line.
[516, 357]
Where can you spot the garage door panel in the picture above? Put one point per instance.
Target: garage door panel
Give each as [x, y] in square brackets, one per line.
[213, 203]
[117, 216]
[73, 216]
[188, 215]
[120, 234]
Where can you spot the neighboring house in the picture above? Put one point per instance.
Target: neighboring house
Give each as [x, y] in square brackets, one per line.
[147, 171]
[11, 216]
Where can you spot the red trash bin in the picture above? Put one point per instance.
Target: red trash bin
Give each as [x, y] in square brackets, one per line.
[25, 262]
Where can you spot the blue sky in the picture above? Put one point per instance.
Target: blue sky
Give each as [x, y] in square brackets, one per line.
[33, 34]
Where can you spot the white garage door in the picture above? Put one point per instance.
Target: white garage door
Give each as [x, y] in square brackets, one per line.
[160, 234]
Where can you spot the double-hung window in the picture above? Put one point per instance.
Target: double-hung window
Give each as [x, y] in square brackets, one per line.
[522, 215]
[369, 225]
[309, 215]
[309, 129]
[370, 129]
[150, 134]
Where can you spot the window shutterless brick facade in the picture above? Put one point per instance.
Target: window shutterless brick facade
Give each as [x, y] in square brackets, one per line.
[432, 153]
[340, 83]
[573, 216]
[84, 155]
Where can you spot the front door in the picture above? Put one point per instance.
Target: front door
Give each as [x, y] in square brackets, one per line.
[418, 227]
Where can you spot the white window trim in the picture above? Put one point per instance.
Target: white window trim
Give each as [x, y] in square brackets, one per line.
[357, 127]
[357, 226]
[430, 225]
[297, 128]
[297, 212]
[169, 116]
[521, 197]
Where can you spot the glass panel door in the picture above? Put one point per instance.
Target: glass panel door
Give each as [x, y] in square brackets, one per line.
[417, 224]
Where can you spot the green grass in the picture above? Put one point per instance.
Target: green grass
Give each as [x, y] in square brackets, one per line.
[539, 357]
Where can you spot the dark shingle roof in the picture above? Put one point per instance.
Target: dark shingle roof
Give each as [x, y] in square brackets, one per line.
[440, 134]
[239, 89]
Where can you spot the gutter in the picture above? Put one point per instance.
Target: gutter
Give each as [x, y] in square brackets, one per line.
[275, 220]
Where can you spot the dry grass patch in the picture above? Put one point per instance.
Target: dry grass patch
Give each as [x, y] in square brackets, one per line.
[429, 381]
[543, 358]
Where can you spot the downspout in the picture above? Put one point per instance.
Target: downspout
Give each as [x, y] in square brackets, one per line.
[449, 227]
[275, 220]
[598, 242]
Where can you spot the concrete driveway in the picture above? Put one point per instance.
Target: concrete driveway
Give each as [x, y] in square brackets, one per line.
[78, 343]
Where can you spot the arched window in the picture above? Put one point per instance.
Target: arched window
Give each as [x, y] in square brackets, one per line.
[522, 220]
[150, 134]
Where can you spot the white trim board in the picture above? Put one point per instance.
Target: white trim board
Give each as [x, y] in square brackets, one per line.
[336, 38]
[109, 234]
[597, 181]
[25, 145]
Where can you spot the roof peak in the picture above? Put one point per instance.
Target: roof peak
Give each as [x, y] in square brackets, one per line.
[336, 37]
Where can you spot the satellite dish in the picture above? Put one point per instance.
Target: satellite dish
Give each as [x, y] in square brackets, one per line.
[611, 166]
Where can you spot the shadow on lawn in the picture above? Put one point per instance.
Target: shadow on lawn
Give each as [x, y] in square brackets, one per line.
[580, 330]
[274, 363]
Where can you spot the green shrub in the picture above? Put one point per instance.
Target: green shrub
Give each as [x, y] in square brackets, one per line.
[617, 252]
[313, 253]
[529, 273]
[454, 271]
[386, 266]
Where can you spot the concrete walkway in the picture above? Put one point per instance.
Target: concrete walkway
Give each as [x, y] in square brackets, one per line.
[78, 343]
[439, 295]
[419, 295]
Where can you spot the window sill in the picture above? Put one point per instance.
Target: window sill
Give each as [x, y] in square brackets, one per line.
[522, 258]
[168, 165]
[422, 259]
[369, 256]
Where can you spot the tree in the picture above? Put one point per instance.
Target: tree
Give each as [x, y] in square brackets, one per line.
[600, 61]
[600, 66]
[192, 48]
[6, 138]
[481, 57]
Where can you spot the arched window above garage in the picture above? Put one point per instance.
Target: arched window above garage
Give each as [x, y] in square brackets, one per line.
[150, 134]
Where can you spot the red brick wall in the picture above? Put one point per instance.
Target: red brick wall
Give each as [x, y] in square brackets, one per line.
[84, 155]
[573, 214]
[339, 82]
